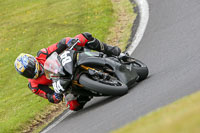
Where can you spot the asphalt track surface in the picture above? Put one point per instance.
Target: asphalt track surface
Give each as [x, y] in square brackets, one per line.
[171, 49]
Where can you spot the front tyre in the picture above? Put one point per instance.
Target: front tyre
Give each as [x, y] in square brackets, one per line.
[116, 89]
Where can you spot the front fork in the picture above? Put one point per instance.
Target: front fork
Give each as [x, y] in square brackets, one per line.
[92, 72]
[75, 82]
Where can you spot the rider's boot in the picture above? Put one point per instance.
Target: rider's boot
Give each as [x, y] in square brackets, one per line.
[97, 45]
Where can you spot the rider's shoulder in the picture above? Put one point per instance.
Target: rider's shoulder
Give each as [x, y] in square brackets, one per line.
[42, 52]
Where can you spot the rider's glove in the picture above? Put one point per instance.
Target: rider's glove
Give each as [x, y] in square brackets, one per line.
[58, 96]
[55, 97]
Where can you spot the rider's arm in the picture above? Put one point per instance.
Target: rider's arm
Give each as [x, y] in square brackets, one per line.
[57, 47]
[86, 40]
[44, 91]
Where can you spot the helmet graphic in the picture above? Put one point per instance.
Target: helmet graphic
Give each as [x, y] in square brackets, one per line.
[27, 66]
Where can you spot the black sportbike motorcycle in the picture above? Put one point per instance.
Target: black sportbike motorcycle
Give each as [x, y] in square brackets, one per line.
[94, 73]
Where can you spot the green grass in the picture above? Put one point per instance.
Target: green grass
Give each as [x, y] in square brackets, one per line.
[181, 116]
[125, 18]
[30, 25]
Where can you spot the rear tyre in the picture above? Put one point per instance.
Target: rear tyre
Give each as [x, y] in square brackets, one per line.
[141, 69]
[116, 89]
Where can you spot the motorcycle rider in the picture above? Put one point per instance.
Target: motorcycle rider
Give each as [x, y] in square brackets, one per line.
[33, 68]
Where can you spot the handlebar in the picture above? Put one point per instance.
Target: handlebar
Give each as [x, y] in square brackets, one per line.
[77, 41]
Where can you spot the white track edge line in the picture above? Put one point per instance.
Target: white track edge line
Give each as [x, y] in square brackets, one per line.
[144, 17]
[57, 122]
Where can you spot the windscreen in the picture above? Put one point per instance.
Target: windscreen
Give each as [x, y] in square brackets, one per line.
[52, 66]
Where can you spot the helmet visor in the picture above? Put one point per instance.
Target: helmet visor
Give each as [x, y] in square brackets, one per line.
[32, 70]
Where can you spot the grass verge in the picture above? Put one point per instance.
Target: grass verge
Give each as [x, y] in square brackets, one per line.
[27, 26]
[181, 116]
[121, 31]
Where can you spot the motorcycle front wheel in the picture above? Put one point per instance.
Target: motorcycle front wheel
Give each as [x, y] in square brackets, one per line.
[108, 87]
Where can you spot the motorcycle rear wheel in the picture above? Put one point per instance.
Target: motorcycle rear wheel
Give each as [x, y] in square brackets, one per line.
[141, 69]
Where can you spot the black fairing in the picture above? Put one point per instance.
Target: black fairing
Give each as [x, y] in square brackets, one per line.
[90, 58]
[123, 72]
[67, 60]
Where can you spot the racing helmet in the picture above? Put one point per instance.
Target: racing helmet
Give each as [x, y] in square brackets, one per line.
[27, 66]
